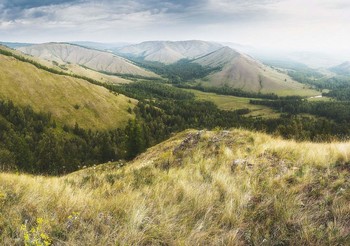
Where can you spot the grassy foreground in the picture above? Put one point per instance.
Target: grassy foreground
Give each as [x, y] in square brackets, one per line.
[198, 188]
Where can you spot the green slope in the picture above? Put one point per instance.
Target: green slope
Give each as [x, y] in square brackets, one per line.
[68, 99]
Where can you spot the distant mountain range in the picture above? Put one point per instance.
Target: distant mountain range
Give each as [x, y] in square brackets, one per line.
[233, 68]
[91, 58]
[168, 52]
[15, 45]
[342, 69]
[314, 60]
[228, 67]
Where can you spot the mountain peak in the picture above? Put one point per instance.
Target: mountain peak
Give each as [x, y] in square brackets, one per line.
[168, 52]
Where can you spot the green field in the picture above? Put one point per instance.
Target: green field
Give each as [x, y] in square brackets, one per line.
[319, 99]
[233, 103]
[297, 92]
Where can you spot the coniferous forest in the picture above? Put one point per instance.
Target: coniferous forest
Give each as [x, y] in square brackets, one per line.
[35, 143]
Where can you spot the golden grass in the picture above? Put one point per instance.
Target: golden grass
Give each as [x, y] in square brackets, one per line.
[198, 188]
[70, 100]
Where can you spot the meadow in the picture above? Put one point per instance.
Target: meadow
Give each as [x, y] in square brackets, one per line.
[217, 187]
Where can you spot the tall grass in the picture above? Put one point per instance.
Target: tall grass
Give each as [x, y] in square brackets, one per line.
[198, 188]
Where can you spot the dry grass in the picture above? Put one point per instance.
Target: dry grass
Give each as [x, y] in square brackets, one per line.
[109, 79]
[69, 99]
[247, 74]
[198, 188]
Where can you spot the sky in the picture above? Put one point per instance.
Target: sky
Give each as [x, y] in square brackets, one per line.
[268, 24]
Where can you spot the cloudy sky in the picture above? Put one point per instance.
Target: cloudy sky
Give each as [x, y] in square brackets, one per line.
[285, 24]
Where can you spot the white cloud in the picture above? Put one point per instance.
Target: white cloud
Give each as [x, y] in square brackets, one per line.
[284, 24]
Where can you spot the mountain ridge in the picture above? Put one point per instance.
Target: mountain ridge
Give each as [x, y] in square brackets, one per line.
[227, 67]
[92, 58]
[342, 69]
[168, 52]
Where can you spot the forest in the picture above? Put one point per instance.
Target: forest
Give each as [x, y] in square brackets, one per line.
[338, 84]
[178, 72]
[33, 142]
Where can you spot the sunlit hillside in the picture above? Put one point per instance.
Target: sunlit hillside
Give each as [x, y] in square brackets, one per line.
[197, 188]
[69, 100]
[71, 68]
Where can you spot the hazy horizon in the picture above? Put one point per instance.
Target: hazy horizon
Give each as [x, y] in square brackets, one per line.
[279, 25]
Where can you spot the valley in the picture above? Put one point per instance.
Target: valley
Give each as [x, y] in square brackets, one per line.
[247, 148]
[172, 122]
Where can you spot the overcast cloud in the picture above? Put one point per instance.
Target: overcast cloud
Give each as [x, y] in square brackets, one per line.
[283, 24]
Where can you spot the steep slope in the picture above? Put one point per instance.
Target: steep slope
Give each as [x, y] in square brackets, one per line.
[198, 188]
[241, 71]
[218, 58]
[72, 68]
[168, 52]
[342, 69]
[69, 99]
[93, 59]
[90, 73]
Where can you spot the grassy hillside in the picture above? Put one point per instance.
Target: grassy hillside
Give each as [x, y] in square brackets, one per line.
[243, 72]
[71, 68]
[69, 99]
[198, 188]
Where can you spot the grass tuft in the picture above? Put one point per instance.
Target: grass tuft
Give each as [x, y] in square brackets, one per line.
[198, 188]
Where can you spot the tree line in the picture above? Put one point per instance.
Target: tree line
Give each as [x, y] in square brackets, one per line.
[227, 90]
[33, 142]
[177, 72]
[333, 110]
